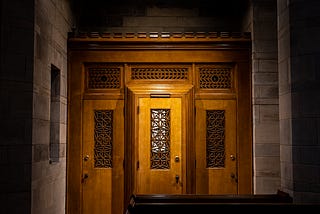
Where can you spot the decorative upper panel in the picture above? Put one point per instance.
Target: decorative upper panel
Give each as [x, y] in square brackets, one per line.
[103, 77]
[215, 77]
[154, 72]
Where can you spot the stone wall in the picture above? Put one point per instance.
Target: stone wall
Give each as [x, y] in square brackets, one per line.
[16, 107]
[266, 139]
[53, 21]
[299, 98]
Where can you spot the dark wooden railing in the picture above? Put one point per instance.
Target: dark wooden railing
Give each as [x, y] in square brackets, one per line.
[189, 203]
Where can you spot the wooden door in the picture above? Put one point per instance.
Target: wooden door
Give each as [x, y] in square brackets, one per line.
[103, 149]
[160, 160]
[107, 71]
[216, 147]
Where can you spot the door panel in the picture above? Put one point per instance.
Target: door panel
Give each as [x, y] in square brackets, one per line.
[103, 149]
[159, 146]
[216, 144]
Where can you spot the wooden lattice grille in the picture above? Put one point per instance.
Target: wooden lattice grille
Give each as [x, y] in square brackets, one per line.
[215, 77]
[215, 138]
[104, 78]
[159, 73]
[103, 138]
[160, 139]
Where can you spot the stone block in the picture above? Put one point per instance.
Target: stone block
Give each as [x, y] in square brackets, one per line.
[267, 166]
[265, 46]
[19, 154]
[16, 131]
[285, 109]
[286, 156]
[284, 45]
[270, 149]
[306, 104]
[269, 113]
[265, 78]
[14, 67]
[306, 155]
[41, 131]
[63, 113]
[265, 30]
[266, 91]
[267, 66]
[41, 104]
[305, 132]
[284, 76]
[266, 133]
[159, 11]
[40, 152]
[307, 175]
[267, 185]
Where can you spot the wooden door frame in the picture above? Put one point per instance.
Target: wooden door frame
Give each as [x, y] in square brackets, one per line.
[211, 48]
[133, 94]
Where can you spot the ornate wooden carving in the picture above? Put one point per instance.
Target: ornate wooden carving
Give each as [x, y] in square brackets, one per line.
[103, 138]
[104, 76]
[215, 138]
[160, 139]
[162, 72]
[215, 77]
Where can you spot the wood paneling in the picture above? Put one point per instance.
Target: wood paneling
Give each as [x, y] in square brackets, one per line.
[162, 66]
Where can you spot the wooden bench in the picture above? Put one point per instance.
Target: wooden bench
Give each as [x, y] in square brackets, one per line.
[189, 203]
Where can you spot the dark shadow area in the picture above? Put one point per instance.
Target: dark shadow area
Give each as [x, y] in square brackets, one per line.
[142, 204]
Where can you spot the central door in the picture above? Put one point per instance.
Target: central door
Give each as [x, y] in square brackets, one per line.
[159, 167]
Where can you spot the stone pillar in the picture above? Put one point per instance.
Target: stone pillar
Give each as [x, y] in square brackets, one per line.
[299, 98]
[53, 21]
[266, 137]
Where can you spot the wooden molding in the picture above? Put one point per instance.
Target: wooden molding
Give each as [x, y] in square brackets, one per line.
[158, 40]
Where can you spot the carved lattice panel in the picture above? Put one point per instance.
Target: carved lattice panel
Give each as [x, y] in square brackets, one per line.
[104, 78]
[160, 139]
[215, 138]
[159, 73]
[211, 77]
[103, 138]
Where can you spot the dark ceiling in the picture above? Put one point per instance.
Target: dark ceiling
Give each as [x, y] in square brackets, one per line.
[96, 12]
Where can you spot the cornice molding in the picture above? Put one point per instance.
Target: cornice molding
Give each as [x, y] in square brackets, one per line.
[157, 40]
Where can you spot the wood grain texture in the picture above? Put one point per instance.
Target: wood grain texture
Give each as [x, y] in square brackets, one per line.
[216, 180]
[160, 181]
[103, 185]
[169, 56]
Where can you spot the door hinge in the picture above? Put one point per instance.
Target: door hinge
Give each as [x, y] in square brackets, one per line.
[138, 164]
[138, 109]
